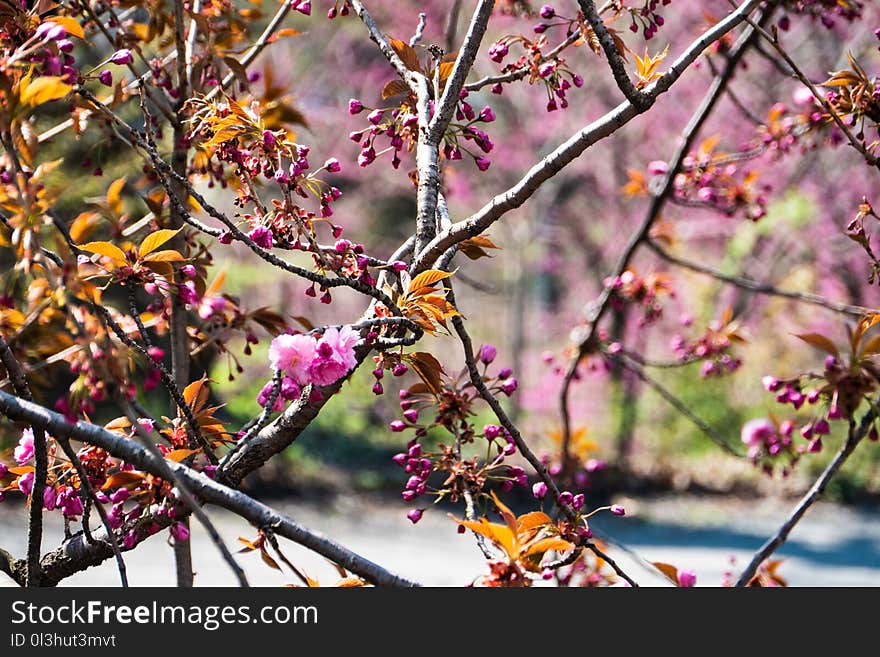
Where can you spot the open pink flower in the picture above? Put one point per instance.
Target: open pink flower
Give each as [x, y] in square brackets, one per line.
[26, 483]
[293, 354]
[755, 432]
[25, 450]
[334, 355]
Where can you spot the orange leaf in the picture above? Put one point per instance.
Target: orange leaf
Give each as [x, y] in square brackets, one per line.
[428, 368]
[284, 32]
[123, 479]
[394, 88]
[409, 56]
[154, 240]
[498, 534]
[196, 394]
[70, 25]
[44, 89]
[114, 196]
[530, 521]
[107, 249]
[350, 582]
[506, 513]
[167, 255]
[428, 278]
[670, 571]
[820, 342]
[547, 544]
[269, 561]
[179, 455]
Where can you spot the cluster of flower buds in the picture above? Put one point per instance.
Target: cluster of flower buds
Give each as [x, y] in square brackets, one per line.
[57, 495]
[712, 347]
[770, 444]
[550, 71]
[47, 49]
[452, 409]
[339, 8]
[717, 181]
[826, 11]
[631, 288]
[399, 125]
[843, 390]
[647, 19]
[235, 137]
[786, 128]
[302, 6]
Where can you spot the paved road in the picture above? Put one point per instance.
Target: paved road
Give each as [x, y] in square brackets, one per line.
[833, 546]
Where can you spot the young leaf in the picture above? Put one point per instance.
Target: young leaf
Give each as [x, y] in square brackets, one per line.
[428, 278]
[409, 56]
[820, 342]
[123, 480]
[70, 25]
[43, 90]
[112, 251]
[670, 571]
[428, 368]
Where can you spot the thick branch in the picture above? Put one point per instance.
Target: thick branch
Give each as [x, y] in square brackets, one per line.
[616, 61]
[201, 486]
[574, 147]
[463, 64]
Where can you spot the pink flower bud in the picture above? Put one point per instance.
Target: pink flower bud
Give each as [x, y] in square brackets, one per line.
[509, 386]
[179, 531]
[106, 78]
[618, 510]
[687, 578]
[482, 163]
[122, 57]
[332, 165]
[488, 353]
[487, 115]
[49, 498]
[539, 490]
[415, 515]
[397, 426]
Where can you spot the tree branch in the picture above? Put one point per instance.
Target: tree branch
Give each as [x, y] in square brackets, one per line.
[854, 437]
[616, 62]
[756, 286]
[574, 147]
[201, 486]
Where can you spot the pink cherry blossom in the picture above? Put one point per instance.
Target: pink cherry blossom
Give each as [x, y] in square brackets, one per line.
[293, 354]
[25, 450]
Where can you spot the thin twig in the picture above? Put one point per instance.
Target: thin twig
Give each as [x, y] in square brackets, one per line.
[755, 286]
[597, 310]
[854, 436]
[41, 467]
[677, 404]
[89, 491]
